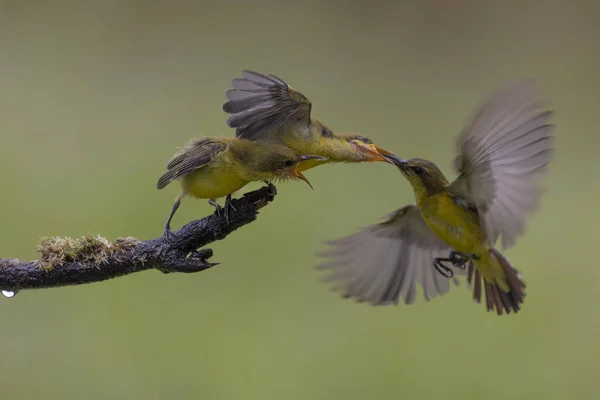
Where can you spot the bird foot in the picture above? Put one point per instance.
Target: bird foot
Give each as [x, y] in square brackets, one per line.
[228, 207]
[272, 190]
[224, 211]
[440, 267]
[457, 259]
[220, 211]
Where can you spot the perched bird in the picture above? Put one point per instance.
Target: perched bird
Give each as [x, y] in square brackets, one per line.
[214, 167]
[264, 108]
[503, 156]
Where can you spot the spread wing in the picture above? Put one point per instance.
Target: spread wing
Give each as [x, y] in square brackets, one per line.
[194, 155]
[261, 105]
[384, 262]
[503, 156]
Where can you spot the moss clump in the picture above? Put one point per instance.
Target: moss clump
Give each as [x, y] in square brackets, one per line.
[88, 249]
[123, 245]
[55, 251]
[92, 249]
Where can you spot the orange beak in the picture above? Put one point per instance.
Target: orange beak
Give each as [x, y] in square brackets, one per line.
[298, 174]
[373, 152]
[295, 172]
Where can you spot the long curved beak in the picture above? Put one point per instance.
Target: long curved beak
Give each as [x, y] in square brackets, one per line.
[397, 161]
[373, 152]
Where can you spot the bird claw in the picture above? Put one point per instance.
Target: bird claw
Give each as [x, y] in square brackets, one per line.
[440, 267]
[220, 211]
[228, 207]
[271, 190]
[458, 260]
[224, 211]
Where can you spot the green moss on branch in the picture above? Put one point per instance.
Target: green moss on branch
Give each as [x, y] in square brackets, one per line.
[68, 261]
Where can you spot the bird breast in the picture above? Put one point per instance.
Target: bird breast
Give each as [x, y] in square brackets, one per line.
[457, 226]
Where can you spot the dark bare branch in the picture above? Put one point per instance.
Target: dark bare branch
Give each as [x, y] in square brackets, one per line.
[66, 261]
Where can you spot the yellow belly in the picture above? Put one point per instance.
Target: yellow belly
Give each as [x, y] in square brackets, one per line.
[212, 183]
[457, 227]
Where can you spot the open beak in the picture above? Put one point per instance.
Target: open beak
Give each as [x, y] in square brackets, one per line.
[373, 152]
[298, 174]
[382, 151]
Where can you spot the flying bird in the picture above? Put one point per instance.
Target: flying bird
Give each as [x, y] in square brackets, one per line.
[453, 228]
[264, 108]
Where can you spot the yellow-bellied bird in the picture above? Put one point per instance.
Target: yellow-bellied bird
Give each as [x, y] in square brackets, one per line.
[264, 108]
[503, 156]
[214, 167]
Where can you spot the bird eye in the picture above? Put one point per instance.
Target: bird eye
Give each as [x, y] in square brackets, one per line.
[418, 170]
[289, 163]
[365, 140]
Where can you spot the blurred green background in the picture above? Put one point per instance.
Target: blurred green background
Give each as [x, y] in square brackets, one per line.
[96, 96]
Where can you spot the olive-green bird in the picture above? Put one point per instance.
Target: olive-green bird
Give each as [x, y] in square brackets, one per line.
[266, 109]
[503, 154]
[215, 167]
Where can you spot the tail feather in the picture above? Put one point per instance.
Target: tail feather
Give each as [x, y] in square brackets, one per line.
[496, 298]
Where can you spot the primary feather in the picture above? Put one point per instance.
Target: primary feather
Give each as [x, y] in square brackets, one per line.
[385, 261]
[503, 156]
[262, 105]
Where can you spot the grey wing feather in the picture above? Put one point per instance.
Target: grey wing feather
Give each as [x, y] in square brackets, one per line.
[386, 261]
[261, 104]
[194, 155]
[503, 157]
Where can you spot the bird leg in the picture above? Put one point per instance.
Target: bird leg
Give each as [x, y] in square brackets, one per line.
[168, 234]
[458, 260]
[219, 210]
[224, 211]
[228, 207]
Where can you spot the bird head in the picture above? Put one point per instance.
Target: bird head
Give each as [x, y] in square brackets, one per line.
[268, 161]
[282, 162]
[350, 147]
[288, 167]
[423, 175]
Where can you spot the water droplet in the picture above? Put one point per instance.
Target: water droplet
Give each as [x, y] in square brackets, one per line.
[9, 293]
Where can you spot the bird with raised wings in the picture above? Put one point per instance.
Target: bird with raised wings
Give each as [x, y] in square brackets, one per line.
[503, 156]
[264, 108]
[215, 167]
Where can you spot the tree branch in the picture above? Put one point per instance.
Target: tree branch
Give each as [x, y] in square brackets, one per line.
[66, 261]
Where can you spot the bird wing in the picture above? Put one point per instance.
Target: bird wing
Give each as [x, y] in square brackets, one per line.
[194, 155]
[260, 105]
[385, 261]
[503, 153]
